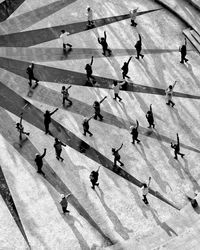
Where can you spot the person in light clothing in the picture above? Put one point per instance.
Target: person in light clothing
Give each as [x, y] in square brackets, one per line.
[90, 17]
[169, 94]
[64, 40]
[133, 14]
[116, 88]
[145, 191]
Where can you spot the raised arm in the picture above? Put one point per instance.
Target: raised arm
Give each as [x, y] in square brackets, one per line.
[21, 118]
[140, 38]
[98, 168]
[149, 182]
[105, 36]
[90, 118]
[120, 147]
[67, 197]
[53, 111]
[99, 40]
[177, 139]
[43, 155]
[68, 87]
[174, 84]
[129, 60]
[91, 61]
[151, 108]
[137, 123]
[103, 99]
[185, 41]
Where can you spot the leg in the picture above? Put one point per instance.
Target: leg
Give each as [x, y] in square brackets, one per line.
[89, 133]
[138, 141]
[145, 199]
[175, 155]
[182, 58]
[46, 128]
[63, 102]
[84, 132]
[172, 103]
[30, 82]
[180, 154]
[104, 52]
[119, 97]
[64, 47]
[115, 162]
[36, 80]
[69, 45]
[93, 184]
[121, 163]
[138, 54]
[70, 102]
[95, 116]
[100, 116]
[133, 139]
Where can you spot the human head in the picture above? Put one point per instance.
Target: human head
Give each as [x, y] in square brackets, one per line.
[56, 139]
[102, 39]
[63, 31]
[170, 86]
[113, 149]
[63, 87]
[144, 185]
[37, 155]
[115, 82]
[88, 8]
[96, 102]
[85, 119]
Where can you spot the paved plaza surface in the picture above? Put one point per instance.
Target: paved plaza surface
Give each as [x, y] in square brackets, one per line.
[113, 216]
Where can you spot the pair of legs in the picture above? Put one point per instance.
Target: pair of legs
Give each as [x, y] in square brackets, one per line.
[94, 183]
[135, 139]
[87, 131]
[145, 199]
[151, 124]
[170, 102]
[176, 155]
[183, 58]
[30, 81]
[124, 74]
[64, 209]
[107, 49]
[58, 153]
[91, 78]
[46, 125]
[22, 132]
[118, 160]
[133, 23]
[139, 54]
[117, 96]
[65, 98]
[68, 44]
[98, 115]
[39, 171]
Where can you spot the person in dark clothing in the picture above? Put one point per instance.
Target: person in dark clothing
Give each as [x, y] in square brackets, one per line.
[47, 120]
[150, 118]
[134, 132]
[145, 191]
[64, 203]
[104, 45]
[176, 148]
[117, 157]
[20, 128]
[39, 162]
[125, 69]
[183, 50]
[65, 94]
[97, 110]
[94, 175]
[86, 125]
[31, 76]
[58, 148]
[88, 68]
[138, 47]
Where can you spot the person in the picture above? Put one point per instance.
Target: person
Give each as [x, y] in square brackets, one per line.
[64, 203]
[65, 94]
[150, 118]
[125, 69]
[169, 94]
[20, 128]
[88, 68]
[176, 148]
[94, 175]
[134, 132]
[133, 14]
[64, 40]
[104, 45]
[183, 50]
[117, 157]
[31, 76]
[145, 191]
[97, 111]
[116, 88]
[138, 47]
[86, 125]
[89, 14]
[58, 149]
[39, 162]
[47, 120]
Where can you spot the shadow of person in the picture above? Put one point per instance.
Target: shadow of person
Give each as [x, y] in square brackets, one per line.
[170, 231]
[118, 226]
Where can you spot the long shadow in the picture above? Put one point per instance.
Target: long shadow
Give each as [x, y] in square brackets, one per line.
[28, 151]
[14, 103]
[170, 231]
[25, 20]
[118, 226]
[56, 54]
[51, 74]
[33, 37]
[7, 7]
[7, 197]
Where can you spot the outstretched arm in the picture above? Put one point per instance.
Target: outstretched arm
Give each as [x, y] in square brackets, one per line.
[151, 108]
[185, 41]
[149, 182]
[137, 124]
[174, 84]
[91, 61]
[21, 117]
[53, 111]
[98, 168]
[68, 87]
[67, 197]
[129, 60]
[43, 155]
[105, 36]
[103, 99]
[120, 147]
[140, 38]
[90, 118]
[177, 138]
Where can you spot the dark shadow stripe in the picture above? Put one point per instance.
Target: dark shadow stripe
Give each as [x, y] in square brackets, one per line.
[33, 37]
[7, 197]
[7, 7]
[34, 116]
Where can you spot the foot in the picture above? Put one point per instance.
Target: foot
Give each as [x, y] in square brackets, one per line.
[149, 127]
[84, 134]
[103, 54]
[186, 60]
[175, 158]
[91, 135]
[101, 119]
[114, 99]
[167, 103]
[182, 155]
[137, 58]
[120, 100]
[181, 62]
[57, 158]
[142, 56]
[28, 134]
[122, 164]
[133, 142]
[138, 141]
[62, 159]
[92, 187]
[97, 184]
[153, 125]
[173, 105]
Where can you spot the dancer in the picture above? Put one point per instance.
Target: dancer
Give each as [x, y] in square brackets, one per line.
[64, 203]
[20, 129]
[134, 132]
[176, 148]
[117, 157]
[39, 162]
[58, 149]
[145, 191]
[138, 47]
[31, 76]
[97, 111]
[86, 125]
[94, 175]
[64, 40]
[116, 88]
[47, 120]
[88, 68]
[65, 94]
[183, 50]
[125, 69]
[133, 14]
[89, 14]
[150, 119]
[169, 94]
[104, 45]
